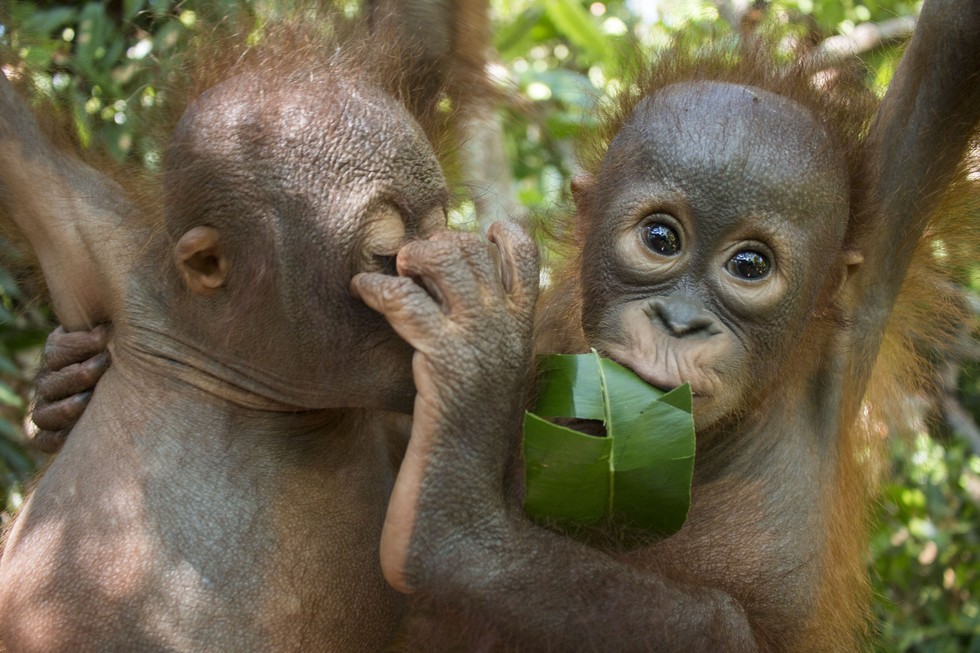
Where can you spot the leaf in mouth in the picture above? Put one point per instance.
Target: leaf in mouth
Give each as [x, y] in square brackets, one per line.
[638, 476]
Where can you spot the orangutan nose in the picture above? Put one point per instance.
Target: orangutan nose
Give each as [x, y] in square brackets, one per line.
[682, 316]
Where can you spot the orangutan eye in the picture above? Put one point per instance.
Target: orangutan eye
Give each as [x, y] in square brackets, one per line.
[661, 239]
[748, 264]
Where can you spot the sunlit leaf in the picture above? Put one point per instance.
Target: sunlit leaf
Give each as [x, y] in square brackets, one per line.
[48, 20]
[515, 39]
[167, 35]
[638, 475]
[132, 7]
[9, 398]
[575, 24]
[93, 32]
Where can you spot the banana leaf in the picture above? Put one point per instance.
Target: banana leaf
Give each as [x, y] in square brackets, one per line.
[637, 476]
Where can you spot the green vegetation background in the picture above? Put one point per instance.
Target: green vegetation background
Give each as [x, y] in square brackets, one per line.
[101, 61]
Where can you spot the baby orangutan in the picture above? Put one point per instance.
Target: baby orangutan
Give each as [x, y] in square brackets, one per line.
[749, 231]
[226, 487]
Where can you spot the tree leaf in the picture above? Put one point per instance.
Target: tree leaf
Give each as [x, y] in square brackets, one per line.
[48, 20]
[574, 22]
[513, 40]
[15, 457]
[8, 397]
[637, 476]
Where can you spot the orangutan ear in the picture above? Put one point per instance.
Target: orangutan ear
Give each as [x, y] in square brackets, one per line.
[200, 261]
[582, 186]
[852, 260]
[846, 292]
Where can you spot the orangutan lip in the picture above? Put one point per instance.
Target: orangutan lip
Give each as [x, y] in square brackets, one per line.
[667, 387]
[694, 395]
[657, 382]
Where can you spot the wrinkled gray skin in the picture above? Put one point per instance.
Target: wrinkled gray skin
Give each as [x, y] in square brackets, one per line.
[226, 486]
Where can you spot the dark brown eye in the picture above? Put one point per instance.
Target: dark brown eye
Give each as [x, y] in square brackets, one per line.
[661, 239]
[748, 264]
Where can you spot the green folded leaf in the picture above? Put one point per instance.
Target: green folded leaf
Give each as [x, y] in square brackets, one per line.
[638, 476]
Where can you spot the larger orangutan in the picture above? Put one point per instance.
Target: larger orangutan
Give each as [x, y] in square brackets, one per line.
[743, 232]
[225, 489]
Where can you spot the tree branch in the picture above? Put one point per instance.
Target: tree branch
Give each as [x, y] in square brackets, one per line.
[864, 37]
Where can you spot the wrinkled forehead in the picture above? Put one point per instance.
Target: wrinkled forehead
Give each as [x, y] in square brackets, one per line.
[347, 127]
[740, 138]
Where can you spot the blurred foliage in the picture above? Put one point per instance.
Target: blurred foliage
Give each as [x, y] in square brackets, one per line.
[105, 63]
[23, 326]
[927, 549]
[99, 61]
[563, 56]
